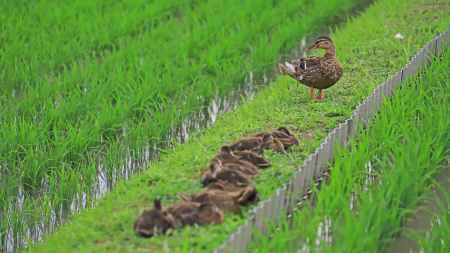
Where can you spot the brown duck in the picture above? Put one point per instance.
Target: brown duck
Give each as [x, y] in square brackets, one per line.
[316, 72]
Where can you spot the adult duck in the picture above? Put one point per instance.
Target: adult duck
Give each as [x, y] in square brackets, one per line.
[316, 72]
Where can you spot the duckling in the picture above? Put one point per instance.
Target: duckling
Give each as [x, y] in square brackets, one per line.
[217, 172]
[188, 213]
[252, 143]
[316, 72]
[159, 221]
[270, 142]
[251, 195]
[226, 156]
[155, 221]
[283, 135]
[227, 201]
[252, 157]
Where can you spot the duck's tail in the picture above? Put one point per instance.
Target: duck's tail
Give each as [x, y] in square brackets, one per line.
[287, 69]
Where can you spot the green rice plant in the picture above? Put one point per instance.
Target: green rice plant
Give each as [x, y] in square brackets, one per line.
[38, 42]
[57, 128]
[368, 61]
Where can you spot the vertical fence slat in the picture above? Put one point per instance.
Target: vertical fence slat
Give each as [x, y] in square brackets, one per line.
[316, 169]
[308, 173]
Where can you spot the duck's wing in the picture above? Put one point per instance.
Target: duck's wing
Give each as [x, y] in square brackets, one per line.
[298, 67]
[307, 63]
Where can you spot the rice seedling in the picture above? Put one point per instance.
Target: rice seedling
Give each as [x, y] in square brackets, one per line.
[369, 60]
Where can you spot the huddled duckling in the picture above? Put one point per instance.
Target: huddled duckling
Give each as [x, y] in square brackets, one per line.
[252, 157]
[226, 196]
[159, 221]
[252, 143]
[232, 174]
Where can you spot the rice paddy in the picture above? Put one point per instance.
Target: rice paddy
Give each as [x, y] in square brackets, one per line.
[92, 83]
[368, 59]
[89, 84]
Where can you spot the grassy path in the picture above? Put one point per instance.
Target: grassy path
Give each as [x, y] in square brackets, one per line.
[368, 58]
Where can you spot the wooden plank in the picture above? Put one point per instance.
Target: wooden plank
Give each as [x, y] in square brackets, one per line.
[439, 49]
[315, 164]
[344, 133]
[370, 106]
[268, 213]
[231, 244]
[278, 206]
[259, 217]
[287, 195]
[326, 151]
[295, 190]
[246, 236]
[322, 158]
[308, 172]
[290, 194]
[301, 179]
[379, 96]
[333, 138]
[238, 240]
[396, 79]
[364, 112]
[356, 120]
[351, 132]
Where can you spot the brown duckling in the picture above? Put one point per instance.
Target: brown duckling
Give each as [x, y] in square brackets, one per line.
[158, 220]
[251, 143]
[283, 135]
[252, 157]
[155, 221]
[216, 172]
[226, 196]
[187, 213]
[316, 72]
[226, 156]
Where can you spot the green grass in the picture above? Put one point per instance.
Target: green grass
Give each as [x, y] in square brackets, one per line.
[368, 59]
[94, 80]
[405, 145]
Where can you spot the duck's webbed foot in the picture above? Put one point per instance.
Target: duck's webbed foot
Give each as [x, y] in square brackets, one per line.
[321, 95]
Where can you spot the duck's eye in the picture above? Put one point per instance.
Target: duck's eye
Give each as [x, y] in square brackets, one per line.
[303, 65]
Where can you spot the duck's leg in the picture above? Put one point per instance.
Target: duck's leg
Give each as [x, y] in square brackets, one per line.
[311, 92]
[321, 95]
